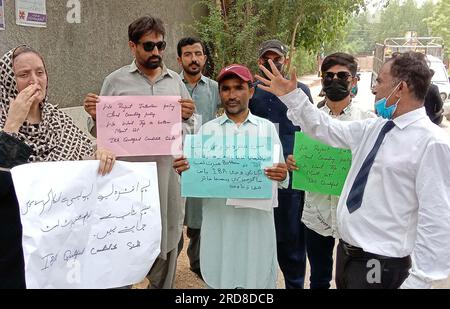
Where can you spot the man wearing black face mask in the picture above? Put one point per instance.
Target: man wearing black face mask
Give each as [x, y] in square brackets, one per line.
[338, 80]
[289, 228]
[319, 214]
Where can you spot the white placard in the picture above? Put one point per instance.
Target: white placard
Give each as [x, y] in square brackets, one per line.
[81, 230]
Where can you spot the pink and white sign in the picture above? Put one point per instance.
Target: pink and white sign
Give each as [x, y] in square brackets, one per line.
[132, 126]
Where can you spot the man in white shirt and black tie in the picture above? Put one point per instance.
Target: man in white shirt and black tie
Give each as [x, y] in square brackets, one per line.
[394, 212]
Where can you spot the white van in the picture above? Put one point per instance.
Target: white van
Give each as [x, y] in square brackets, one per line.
[440, 77]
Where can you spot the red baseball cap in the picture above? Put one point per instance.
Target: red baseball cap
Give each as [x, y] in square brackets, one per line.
[236, 69]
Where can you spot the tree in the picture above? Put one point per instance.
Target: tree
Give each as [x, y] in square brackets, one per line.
[230, 30]
[235, 28]
[440, 22]
[393, 19]
[398, 18]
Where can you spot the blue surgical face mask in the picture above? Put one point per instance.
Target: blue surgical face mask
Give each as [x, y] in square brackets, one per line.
[384, 111]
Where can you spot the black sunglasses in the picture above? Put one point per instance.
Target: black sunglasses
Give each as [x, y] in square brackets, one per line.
[150, 46]
[340, 75]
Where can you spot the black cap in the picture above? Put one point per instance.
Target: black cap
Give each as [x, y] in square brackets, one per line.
[274, 46]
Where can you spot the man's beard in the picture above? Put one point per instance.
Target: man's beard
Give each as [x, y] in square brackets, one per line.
[152, 65]
[188, 70]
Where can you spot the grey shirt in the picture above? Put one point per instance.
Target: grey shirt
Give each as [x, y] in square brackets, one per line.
[129, 81]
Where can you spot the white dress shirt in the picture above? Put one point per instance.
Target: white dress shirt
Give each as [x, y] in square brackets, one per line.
[406, 205]
[319, 212]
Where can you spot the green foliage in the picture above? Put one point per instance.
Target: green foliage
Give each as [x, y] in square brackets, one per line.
[394, 19]
[305, 62]
[321, 21]
[398, 18]
[235, 28]
[440, 22]
[233, 37]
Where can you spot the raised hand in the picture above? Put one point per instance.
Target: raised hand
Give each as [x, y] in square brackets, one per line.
[277, 84]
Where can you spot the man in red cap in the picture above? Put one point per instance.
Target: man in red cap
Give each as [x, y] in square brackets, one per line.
[238, 248]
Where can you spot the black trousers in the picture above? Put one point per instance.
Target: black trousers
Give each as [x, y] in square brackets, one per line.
[320, 255]
[356, 269]
[193, 250]
[291, 245]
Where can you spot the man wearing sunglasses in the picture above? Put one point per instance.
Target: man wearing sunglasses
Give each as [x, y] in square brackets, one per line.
[147, 75]
[319, 214]
[290, 230]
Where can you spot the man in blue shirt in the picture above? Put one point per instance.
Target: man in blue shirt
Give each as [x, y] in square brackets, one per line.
[289, 228]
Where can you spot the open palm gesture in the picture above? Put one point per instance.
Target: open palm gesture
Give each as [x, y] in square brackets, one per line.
[277, 84]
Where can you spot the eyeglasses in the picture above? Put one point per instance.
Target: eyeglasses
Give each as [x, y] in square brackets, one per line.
[150, 46]
[340, 75]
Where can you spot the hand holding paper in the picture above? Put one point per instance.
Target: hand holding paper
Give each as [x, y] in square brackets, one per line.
[107, 160]
[180, 165]
[277, 173]
[90, 105]
[188, 108]
[291, 164]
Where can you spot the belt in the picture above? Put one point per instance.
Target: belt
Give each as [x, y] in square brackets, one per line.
[357, 252]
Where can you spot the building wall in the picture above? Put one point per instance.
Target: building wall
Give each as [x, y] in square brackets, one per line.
[80, 56]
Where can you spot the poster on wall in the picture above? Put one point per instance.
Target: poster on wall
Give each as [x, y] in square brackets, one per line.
[2, 15]
[31, 13]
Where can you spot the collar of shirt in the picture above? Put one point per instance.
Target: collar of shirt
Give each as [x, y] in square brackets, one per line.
[250, 119]
[346, 111]
[409, 118]
[165, 72]
[203, 79]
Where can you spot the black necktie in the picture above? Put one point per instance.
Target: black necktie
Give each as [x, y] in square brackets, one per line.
[356, 194]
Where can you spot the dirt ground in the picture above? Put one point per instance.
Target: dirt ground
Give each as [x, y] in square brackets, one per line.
[185, 279]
